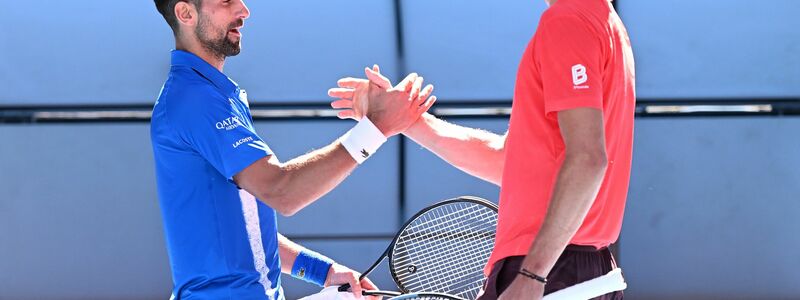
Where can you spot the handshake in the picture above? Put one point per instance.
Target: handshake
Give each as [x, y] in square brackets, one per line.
[392, 109]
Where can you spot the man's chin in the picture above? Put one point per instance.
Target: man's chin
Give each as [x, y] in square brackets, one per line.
[236, 46]
[236, 50]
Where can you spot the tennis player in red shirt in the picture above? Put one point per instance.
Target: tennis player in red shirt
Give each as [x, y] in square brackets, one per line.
[564, 164]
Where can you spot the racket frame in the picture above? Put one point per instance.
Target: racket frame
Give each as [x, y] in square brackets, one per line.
[388, 252]
[411, 296]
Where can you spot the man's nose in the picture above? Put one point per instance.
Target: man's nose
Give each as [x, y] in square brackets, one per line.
[244, 12]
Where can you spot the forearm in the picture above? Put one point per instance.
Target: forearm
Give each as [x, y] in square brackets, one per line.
[308, 177]
[478, 152]
[578, 182]
[287, 250]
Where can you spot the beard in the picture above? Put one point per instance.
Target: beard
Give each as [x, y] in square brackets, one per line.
[220, 46]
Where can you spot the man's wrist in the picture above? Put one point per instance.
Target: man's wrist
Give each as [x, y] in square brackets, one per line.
[363, 140]
[330, 274]
[533, 276]
[535, 265]
[381, 130]
[418, 125]
[312, 267]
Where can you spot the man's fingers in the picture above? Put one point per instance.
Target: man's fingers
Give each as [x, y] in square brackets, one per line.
[376, 68]
[342, 103]
[350, 82]
[368, 285]
[377, 78]
[415, 89]
[346, 114]
[407, 82]
[424, 94]
[354, 284]
[428, 103]
[409, 87]
[346, 93]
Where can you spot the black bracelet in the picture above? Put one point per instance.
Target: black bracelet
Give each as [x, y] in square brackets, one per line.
[533, 276]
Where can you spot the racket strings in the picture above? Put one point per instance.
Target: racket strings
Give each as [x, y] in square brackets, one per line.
[469, 250]
[449, 247]
[438, 232]
[416, 297]
[467, 277]
[424, 296]
[433, 238]
[474, 233]
[465, 243]
[426, 220]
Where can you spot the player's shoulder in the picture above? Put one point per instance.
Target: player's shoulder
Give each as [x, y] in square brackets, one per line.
[187, 83]
[568, 22]
[189, 98]
[560, 15]
[186, 89]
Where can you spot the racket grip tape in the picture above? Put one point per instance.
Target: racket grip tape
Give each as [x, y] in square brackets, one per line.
[346, 286]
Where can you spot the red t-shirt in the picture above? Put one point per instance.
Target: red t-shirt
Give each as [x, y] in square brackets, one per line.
[580, 56]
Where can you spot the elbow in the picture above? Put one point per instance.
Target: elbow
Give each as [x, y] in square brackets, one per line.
[592, 161]
[280, 200]
[500, 165]
[288, 211]
[494, 163]
[279, 196]
[599, 161]
[280, 203]
[289, 207]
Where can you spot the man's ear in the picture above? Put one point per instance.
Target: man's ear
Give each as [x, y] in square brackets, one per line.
[186, 13]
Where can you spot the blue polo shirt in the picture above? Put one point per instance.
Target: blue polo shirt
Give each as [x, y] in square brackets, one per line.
[222, 242]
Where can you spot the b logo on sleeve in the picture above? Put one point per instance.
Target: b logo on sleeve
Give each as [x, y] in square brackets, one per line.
[579, 76]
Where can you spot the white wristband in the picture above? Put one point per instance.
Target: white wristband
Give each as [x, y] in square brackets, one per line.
[363, 140]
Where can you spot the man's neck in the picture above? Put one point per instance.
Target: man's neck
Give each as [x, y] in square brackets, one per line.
[206, 55]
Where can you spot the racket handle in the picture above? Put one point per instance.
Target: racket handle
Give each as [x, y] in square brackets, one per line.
[344, 287]
[381, 293]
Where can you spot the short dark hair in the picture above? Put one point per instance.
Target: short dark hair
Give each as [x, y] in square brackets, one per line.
[167, 9]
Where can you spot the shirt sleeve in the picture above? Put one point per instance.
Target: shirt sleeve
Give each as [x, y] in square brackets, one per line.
[219, 131]
[570, 61]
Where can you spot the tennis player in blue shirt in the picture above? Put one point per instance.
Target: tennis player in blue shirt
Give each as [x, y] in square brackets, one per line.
[220, 185]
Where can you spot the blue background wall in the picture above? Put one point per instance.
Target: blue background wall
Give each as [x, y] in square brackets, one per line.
[714, 49]
[711, 204]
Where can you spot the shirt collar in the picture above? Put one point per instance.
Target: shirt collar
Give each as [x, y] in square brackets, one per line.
[222, 82]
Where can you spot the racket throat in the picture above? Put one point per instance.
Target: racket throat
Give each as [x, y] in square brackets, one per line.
[375, 264]
[346, 286]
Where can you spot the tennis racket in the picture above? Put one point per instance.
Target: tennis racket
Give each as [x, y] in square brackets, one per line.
[442, 249]
[425, 296]
[334, 293]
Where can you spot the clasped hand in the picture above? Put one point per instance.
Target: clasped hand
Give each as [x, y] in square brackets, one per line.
[391, 108]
